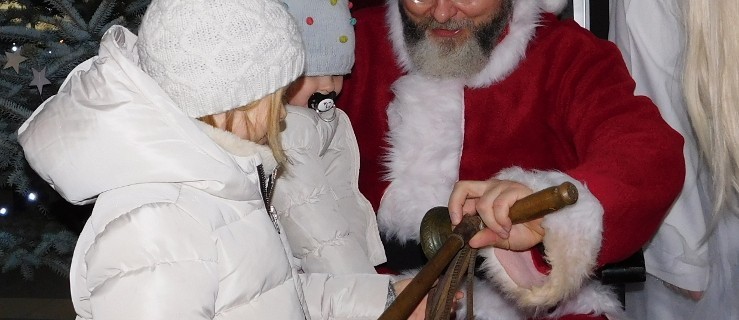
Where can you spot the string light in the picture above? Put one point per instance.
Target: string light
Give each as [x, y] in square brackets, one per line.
[32, 197]
[6, 202]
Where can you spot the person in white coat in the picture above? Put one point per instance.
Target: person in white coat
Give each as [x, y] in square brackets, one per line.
[165, 132]
[654, 56]
[691, 259]
[330, 225]
[711, 89]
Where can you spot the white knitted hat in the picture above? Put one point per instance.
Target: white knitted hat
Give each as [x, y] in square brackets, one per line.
[211, 56]
[327, 28]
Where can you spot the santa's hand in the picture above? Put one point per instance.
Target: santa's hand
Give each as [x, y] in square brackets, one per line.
[492, 200]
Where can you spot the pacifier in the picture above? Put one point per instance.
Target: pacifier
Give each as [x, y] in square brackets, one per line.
[323, 103]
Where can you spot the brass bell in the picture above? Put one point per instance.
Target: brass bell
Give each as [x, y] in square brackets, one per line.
[436, 225]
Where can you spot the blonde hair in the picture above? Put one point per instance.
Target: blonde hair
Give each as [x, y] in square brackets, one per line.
[711, 86]
[276, 102]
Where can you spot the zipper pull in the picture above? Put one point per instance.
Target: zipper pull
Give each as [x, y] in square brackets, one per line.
[267, 185]
[273, 216]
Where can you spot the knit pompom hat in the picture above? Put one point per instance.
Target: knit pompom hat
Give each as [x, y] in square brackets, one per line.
[211, 56]
[328, 35]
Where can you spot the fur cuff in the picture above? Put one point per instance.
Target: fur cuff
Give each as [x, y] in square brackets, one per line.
[572, 242]
[593, 299]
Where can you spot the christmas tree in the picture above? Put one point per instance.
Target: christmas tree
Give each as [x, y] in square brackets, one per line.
[42, 41]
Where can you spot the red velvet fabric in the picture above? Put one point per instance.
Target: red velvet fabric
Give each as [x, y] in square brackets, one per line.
[569, 106]
[366, 94]
[359, 4]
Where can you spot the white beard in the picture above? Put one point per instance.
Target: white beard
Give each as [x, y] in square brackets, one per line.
[447, 60]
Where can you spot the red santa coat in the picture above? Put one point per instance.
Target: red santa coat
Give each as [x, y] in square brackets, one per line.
[554, 104]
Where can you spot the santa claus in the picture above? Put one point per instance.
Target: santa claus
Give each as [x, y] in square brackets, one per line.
[505, 96]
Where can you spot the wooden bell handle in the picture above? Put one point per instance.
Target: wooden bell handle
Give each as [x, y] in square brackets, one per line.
[541, 203]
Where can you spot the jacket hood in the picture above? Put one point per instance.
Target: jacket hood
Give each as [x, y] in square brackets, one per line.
[507, 53]
[112, 126]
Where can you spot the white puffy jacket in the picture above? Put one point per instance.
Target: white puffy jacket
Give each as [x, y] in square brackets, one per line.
[179, 229]
[330, 225]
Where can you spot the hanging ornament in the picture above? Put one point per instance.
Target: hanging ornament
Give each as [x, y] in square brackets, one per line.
[14, 60]
[39, 79]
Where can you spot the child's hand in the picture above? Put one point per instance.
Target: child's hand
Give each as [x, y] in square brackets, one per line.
[492, 200]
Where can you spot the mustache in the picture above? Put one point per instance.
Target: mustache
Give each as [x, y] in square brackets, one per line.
[430, 23]
[486, 34]
[416, 31]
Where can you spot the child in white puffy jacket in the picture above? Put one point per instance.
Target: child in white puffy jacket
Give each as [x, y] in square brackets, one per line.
[173, 136]
[330, 225]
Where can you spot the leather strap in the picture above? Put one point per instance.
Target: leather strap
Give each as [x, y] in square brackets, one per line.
[441, 297]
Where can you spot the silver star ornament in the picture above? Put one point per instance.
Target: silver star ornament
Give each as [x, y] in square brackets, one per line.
[14, 60]
[39, 79]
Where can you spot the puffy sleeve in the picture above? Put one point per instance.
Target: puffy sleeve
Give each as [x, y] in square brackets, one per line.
[151, 263]
[325, 224]
[359, 296]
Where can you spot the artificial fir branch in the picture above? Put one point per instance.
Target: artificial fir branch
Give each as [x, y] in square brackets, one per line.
[68, 10]
[70, 30]
[22, 34]
[57, 37]
[136, 8]
[13, 111]
[101, 16]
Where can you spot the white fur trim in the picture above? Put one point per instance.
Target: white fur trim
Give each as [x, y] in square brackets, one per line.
[237, 146]
[425, 139]
[507, 54]
[553, 6]
[572, 242]
[594, 298]
[395, 25]
[405, 274]
[490, 304]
